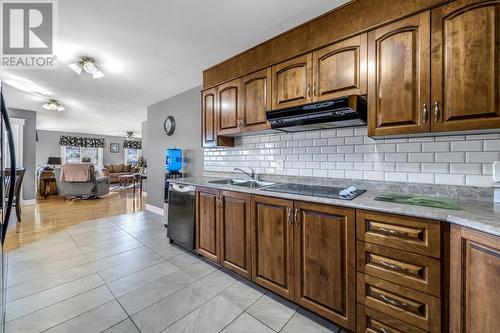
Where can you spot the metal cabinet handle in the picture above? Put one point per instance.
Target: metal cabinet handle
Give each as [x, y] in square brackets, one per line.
[314, 89]
[296, 216]
[425, 113]
[393, 302]
[436, 111]
[391, 232]
[309, 90]
[243, 123]
[383, 330]
[392, 266]
[289, 215]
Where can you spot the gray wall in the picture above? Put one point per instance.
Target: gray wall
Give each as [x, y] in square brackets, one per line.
[185, 108]
[144, 134]
[48, 145]
[29, 152]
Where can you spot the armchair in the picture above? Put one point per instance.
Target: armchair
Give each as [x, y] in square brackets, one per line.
[95, 187]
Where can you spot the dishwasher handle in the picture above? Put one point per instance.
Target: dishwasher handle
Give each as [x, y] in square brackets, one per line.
[182, 188]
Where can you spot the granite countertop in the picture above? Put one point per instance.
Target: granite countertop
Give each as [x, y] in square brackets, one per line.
[480, 215]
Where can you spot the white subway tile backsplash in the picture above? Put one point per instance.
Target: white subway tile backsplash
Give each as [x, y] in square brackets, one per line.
[396, 157]
[449, 179]
[492, 145]
[466, 146]
[349, 153]
[435, 146]
[425, 178]
[450, 157]
[421, 157]
[396, 176]
[468, 169]
[414, 147]
[474, 180]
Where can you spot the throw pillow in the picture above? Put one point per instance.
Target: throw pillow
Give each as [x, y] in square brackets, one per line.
[118, 168]
[109, 167]
[126, 168]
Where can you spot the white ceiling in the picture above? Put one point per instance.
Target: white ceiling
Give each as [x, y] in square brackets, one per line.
[149, 50]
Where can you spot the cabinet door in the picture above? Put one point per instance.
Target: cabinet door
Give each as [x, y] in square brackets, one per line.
[229, 107]
[465, 66]
[291, 82]
[340, 69]
[256, 100]
[325, 267]
[206, 223]
[208, 115]
[474, 281]
[398, 77]
[235, 236]
[272, 240]
[209, 123]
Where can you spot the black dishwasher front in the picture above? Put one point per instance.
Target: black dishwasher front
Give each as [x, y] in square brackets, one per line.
[181, 215]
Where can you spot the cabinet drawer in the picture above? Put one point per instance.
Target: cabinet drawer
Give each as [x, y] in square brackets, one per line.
[373, 321]
[400, 232]
[407, 269]
[413, 307]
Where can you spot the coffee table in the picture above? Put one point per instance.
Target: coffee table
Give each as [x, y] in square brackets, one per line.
[126, 180]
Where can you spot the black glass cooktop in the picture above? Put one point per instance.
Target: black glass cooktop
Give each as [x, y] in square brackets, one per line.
[316, 191]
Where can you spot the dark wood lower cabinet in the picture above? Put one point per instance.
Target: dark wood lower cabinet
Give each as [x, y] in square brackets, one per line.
[474, 281]
[272, 245]
[235, 237]
[325, 261]
[308, 253]
[207, 230]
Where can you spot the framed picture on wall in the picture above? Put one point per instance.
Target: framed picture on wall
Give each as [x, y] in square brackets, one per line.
[114, 147]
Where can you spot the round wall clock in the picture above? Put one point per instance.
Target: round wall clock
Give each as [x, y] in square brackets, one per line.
[169, 125]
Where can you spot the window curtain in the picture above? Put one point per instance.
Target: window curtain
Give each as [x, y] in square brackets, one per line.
[129, 144]
[75, 141]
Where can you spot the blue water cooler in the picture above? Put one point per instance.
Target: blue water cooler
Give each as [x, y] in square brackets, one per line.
[173, 160]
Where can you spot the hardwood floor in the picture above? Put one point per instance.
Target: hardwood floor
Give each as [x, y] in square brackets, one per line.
[54, 214]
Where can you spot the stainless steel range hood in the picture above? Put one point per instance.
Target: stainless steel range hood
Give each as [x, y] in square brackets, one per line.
[343, 112]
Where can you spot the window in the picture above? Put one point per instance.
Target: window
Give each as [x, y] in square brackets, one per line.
[132, 155]
[71, 155]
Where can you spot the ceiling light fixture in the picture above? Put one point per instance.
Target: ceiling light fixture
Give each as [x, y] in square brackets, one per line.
[53, 105]
[86, 64]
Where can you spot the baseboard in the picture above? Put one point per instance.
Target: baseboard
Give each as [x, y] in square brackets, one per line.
[154, 209]
[29, 202]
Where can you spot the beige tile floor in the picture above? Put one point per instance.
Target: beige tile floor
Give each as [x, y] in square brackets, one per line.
[120, 274]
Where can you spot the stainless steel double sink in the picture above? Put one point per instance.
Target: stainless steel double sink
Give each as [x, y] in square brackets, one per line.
[242, 182]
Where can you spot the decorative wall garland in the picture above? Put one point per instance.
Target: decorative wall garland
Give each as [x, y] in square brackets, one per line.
[128, 144]
[75, 141]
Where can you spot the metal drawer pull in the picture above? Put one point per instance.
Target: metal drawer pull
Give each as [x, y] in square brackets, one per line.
[296, 216]
[393, 302]
[391, 232]
[289, 215]
[425, 113]
[392, 266]
[383, 330]
[436, 112]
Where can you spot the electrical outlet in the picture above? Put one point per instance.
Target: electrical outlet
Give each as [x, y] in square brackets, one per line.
[280, 165]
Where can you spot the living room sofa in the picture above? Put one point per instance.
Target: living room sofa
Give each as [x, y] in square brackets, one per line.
[114, 170]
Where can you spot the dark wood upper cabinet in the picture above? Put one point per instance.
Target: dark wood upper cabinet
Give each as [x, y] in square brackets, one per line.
[229, 107]
[256, 100]
[465, 65]
[398, 77]
[340, 69]
[208, 115]
[474, 281]
[272, 240]
[325, 261]
[209, 121]
[235, 239]
[292, 82]
[207, 229]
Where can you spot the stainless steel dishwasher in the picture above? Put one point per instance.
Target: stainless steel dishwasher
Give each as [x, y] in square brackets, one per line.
[181, 215]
